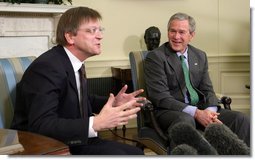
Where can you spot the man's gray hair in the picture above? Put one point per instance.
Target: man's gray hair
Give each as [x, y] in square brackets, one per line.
[183, 16]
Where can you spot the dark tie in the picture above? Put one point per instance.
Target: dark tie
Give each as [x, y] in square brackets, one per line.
[84, 107]
[192, 93]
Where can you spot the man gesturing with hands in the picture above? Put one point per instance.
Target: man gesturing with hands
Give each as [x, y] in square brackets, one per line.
[52, 97]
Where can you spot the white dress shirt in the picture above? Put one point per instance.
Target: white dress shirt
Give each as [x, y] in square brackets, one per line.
[76, 63]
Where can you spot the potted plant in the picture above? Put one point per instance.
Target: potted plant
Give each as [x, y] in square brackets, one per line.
[39, 1]
[19, 1]
[60, 1]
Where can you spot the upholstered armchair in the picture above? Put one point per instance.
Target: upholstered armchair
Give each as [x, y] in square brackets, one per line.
[11, 71]
[150, 134]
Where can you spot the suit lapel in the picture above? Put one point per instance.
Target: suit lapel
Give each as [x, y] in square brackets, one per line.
[71, 77]
[68, 68]
[193, 66]
[175, 63]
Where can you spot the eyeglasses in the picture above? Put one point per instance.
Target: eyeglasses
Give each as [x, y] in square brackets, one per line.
[93, 30]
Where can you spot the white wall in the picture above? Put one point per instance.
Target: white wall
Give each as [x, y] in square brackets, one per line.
[222, 25]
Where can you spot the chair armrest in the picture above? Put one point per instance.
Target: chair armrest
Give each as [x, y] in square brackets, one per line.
[148, 107]
[225, 100]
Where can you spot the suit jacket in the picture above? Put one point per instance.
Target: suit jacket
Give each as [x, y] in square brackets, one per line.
[165, 81]
[47, 100]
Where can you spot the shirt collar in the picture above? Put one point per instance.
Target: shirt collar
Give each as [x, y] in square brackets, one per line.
[185, 53]
[76, 63]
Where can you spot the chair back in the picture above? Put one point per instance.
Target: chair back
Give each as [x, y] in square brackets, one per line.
[11, 71]
[149, 133]
[137, 69]
[137, 72]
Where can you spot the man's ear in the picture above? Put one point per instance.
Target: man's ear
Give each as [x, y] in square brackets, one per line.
[192, 35]
[69, 38]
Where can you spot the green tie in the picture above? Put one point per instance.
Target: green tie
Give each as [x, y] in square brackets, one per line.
[193, 94]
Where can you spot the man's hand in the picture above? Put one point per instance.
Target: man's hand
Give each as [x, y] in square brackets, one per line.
[110, 117]
[122, 97]
[206, 117]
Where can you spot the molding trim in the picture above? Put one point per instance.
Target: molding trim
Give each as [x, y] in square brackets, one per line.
[102, 67]
[33, 8]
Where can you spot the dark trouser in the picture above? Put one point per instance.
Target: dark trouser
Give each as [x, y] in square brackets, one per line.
[97, 146]
[238, 122]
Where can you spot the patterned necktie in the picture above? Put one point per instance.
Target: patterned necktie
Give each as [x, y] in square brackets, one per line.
[192, 93]
[83, 92]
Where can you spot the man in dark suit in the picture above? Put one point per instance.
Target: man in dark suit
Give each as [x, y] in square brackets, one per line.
[52, 96]
[168, 89]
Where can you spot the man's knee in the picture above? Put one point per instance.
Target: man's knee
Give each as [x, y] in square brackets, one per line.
[242, 118]
[184, 118]
[187, 119]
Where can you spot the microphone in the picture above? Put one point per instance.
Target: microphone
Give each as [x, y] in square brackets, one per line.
[184, 149]
[183, 133]
[225, 141]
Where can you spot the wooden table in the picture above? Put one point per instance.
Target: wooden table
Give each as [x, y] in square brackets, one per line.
[121, 76]
[36, 144]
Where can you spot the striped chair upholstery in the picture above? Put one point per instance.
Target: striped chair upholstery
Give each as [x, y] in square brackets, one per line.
[11, 71]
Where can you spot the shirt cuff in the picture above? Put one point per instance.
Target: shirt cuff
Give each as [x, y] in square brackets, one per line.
[92, 132]
[191, 110]
[213, 108]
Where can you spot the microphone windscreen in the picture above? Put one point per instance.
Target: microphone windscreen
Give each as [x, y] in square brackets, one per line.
[225, 141]
[183, 133]
[184, 149]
